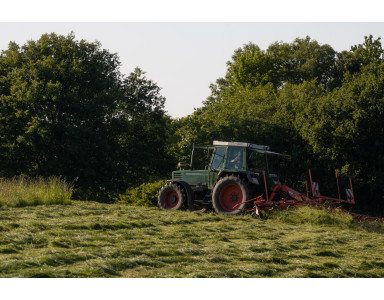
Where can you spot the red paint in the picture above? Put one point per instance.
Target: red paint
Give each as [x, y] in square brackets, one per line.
[265, 186]
[171, 199]
[230, 196]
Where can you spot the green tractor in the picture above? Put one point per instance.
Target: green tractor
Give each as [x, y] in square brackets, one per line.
[233, 175]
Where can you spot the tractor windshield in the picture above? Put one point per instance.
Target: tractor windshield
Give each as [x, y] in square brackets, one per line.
[218, 158]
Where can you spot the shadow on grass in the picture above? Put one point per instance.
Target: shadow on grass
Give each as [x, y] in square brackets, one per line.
[327, 253]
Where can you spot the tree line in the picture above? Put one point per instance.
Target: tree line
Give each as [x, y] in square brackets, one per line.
[66, 109]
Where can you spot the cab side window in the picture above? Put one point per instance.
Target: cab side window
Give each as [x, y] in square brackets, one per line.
[256, 161]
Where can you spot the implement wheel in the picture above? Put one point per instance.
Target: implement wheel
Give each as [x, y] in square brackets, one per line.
[228, 192]
[171, 196]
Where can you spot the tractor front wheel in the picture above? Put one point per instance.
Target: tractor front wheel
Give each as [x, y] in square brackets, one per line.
[171, 196]
[229, 194]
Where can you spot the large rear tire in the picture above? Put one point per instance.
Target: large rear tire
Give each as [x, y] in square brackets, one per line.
[229, 192]
[172, 197]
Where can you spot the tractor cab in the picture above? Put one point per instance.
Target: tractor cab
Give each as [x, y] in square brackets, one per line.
[247, 159]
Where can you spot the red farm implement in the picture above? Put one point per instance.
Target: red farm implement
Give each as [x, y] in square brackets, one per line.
[283, 197]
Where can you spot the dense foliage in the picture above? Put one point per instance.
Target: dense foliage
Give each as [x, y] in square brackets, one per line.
[322, 108]
[65, 109]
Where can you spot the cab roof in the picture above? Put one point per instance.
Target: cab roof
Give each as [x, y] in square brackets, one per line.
[240, 144]
[258, 148]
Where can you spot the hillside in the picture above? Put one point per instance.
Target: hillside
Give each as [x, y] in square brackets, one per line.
[88, 239]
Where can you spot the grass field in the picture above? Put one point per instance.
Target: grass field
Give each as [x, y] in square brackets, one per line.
[88, 239]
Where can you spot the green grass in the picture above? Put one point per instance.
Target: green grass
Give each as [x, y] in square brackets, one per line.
[89, 239]
[310, 215]
[22, 191]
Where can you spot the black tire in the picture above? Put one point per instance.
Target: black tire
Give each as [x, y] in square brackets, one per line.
[172, 197]
[227, 193]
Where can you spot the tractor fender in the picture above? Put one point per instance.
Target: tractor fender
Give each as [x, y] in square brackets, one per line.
[188, 191]
[224, 173]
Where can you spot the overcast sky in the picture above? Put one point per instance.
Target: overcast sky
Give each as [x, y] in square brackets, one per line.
[184, 58]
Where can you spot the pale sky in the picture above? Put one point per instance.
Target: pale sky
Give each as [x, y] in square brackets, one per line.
[185, 58]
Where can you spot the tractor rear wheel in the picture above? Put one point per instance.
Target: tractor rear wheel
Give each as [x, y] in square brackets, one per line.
[228, 195]
[171, 196]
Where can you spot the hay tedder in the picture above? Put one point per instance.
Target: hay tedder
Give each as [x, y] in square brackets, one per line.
[237, 179]
[283, 197]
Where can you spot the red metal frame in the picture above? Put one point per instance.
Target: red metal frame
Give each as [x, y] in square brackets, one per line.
[265, 186]
[335, 200]
[283, 197]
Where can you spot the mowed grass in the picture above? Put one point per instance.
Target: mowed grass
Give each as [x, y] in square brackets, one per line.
[88, 239]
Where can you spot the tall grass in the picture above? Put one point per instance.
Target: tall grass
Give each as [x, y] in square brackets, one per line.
[23, 191]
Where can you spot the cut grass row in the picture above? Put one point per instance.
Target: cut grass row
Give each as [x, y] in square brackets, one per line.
[89, 239]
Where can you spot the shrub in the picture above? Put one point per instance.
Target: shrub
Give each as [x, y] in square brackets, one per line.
[143, 195]
[24, 191]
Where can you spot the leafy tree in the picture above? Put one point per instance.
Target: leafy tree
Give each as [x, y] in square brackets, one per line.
[282, 63]
[303, 60]
[369, 52]
[249, 67]
[67, 110]
[351, 62]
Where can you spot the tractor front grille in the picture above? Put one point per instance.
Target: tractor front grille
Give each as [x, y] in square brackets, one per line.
[177, 175]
